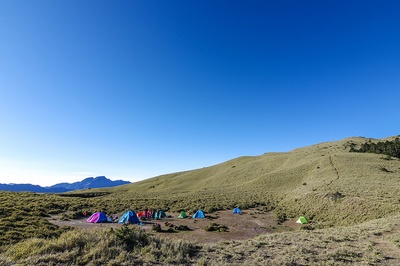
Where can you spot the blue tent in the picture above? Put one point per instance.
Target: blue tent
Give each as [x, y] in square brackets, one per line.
[129, 217]
[199, 214]
[237, 211]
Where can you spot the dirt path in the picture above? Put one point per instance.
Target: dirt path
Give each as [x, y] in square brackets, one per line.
[334, 169]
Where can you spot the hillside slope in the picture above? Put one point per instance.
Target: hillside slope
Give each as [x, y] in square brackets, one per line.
[325, 182]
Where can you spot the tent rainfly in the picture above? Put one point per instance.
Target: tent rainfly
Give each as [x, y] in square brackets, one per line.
[302, 220]
[182, 215]
[237, 211]
[129, 217]
[199, 214]
[97, 217]
[159, 214]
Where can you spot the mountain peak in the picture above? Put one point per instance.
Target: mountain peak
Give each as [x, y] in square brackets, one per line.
[90, 182]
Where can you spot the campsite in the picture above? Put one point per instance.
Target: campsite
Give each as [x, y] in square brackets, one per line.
[347, 197]
[249, 224]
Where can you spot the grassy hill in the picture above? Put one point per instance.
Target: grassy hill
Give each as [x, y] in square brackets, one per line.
[325, 182]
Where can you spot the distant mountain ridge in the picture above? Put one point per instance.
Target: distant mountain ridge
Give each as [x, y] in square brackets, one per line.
[90, 182]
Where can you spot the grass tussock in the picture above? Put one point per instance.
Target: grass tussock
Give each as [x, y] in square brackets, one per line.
[124, 246]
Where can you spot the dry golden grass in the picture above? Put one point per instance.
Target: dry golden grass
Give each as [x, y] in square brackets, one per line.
[298, 182]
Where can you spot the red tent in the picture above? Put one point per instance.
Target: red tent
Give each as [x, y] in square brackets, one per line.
[145, 214]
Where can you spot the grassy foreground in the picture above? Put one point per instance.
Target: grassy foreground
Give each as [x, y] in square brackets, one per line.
[351, 199]
[362, 244]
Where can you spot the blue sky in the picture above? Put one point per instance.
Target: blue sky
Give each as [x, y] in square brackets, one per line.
[135, 89]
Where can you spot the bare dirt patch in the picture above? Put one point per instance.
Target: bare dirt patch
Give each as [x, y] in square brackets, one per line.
[389, 249]
[244, 226]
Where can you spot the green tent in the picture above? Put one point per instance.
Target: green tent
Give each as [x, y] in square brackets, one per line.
[182, 215]
[302, 220]
[159, 214]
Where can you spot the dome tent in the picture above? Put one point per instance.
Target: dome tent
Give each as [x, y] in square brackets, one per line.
[129, 217]
[159, 214]
[302, 220]
[237, 211]
[97, 217]
[182, 215]
[199, 214]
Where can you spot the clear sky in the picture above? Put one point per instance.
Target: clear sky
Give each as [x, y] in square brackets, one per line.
[135, 89]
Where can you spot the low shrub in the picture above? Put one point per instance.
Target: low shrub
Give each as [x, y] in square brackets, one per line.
[216, 228]
[131, 237]
[280, 217]
[156, 227]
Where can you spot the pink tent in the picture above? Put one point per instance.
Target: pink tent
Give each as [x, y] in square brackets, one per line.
[97, 217]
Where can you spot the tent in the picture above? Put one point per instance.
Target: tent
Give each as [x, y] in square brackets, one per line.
[182, 215]
[97, 217]
[302, 220]
[144, 214]
[160, 214]
[199, 214]
[237, 211]
[129, 217]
